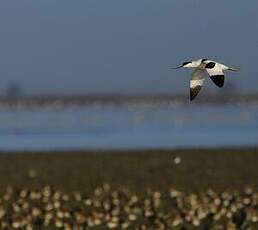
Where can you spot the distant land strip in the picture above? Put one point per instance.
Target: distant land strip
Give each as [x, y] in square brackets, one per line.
[122, 99]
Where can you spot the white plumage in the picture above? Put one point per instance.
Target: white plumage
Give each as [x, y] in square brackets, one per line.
[202, 67]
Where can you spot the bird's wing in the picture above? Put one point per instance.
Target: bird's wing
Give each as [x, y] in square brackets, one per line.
[215, 72]
[196, 82]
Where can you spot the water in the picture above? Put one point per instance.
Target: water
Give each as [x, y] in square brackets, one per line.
[128, 127]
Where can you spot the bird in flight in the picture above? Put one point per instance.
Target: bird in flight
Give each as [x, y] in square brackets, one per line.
[201, 67]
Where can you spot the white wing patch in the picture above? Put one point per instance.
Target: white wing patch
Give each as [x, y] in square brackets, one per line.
[196, 82]
[215, 71]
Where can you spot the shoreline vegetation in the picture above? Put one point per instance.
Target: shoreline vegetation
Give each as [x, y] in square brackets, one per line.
[148, 189]
[121, 99]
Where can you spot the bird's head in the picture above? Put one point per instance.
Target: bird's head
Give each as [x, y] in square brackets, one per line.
[186, 64]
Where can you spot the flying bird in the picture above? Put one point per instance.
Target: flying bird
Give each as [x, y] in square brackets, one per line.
[202, 67]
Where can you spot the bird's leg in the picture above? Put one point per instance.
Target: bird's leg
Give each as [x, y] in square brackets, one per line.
[234, 69]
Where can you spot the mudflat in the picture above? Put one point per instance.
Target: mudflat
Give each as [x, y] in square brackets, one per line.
[156, 189]
[187, 170]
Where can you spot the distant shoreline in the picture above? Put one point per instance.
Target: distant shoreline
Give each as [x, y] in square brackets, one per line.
[120, 99]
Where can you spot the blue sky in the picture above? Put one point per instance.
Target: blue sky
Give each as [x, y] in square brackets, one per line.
[118, 46]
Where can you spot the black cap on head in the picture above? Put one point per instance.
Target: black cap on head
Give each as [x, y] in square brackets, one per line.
[185, 63]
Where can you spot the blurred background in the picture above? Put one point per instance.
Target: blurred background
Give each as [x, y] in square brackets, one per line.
[92, 47]
[94, 74]
[97, 133]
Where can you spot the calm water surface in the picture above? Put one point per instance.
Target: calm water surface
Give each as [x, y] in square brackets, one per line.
[128, 127]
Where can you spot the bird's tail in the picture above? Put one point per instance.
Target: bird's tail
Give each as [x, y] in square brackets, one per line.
[236, 69]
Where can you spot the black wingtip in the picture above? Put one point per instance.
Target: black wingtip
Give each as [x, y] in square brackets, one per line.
[192, 98]
[218, 80]
[194, 92]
